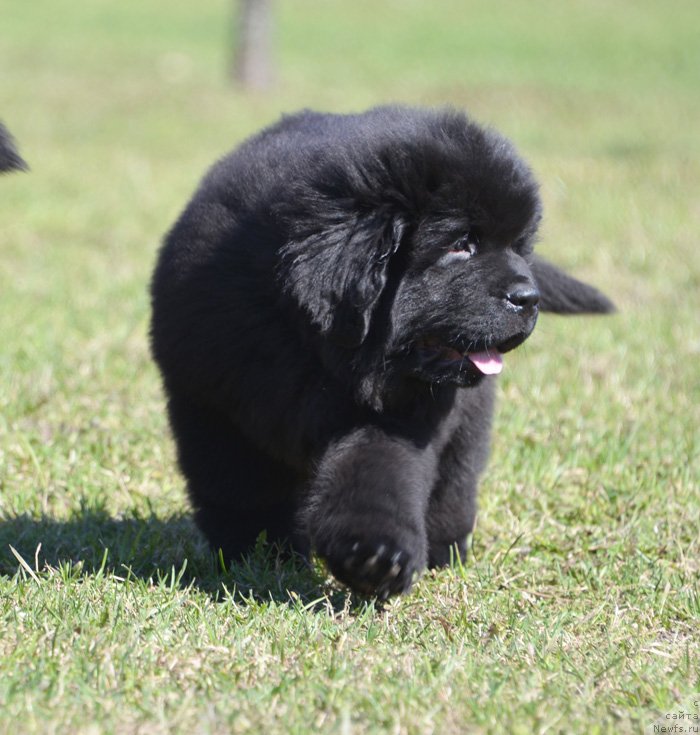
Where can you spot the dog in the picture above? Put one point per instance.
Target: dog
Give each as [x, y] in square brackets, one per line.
[10, 160]
[329, 314]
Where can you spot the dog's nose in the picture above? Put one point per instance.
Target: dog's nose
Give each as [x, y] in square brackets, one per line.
[524, 296]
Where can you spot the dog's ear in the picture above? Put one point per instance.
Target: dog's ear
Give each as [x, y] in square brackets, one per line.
[337, 272]
[562, 294]
[10, 160]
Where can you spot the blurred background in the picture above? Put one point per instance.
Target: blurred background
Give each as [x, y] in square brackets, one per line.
[119, 108]
[579, 604]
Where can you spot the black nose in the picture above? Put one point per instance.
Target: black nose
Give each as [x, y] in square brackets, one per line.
[523, 296]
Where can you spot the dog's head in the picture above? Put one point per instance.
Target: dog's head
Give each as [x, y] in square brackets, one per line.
[416, 247]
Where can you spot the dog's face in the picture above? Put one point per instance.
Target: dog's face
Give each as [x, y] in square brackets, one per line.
[462, 302]
[421, 257]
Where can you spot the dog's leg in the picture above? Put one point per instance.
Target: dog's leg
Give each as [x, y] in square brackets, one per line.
[366, 510]
[452, 508]
[237, 492]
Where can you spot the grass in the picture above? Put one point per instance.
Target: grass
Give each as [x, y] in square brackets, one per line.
[578, 610]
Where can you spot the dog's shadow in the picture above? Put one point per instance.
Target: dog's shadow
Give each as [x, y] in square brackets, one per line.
[161, 550]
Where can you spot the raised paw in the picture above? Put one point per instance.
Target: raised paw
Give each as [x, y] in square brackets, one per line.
[380, 568]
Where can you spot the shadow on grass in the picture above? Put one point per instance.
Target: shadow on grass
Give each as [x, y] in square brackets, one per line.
[152, 548]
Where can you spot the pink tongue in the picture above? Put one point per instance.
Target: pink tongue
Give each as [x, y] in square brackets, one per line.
[490, 363]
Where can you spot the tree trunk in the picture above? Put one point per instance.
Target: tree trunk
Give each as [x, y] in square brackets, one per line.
[253, 67]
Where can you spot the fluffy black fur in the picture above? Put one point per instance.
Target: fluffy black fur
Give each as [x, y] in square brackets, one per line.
[314, 309]
[10, 160]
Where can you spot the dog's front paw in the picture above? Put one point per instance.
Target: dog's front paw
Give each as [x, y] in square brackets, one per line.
[443, 554]
[372, 567]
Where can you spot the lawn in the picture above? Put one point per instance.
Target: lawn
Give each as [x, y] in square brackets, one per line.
[579, 608]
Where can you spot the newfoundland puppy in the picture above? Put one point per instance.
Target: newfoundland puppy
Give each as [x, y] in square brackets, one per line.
[329, 313]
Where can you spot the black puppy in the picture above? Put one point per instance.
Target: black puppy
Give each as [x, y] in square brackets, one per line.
[327, 314]
[10, 160]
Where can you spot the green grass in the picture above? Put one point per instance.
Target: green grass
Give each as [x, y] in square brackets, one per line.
[579, 608]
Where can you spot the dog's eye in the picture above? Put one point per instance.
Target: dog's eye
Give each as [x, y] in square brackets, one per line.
[523, 247]
[465, 247]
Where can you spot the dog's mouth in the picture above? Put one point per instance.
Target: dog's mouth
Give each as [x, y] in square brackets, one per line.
[463, 365]
[487, 361]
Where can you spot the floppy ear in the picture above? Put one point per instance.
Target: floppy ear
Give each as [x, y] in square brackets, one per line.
[336, 273]
[562, 294]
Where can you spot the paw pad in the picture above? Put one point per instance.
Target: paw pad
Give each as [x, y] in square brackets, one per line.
[378, 568]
